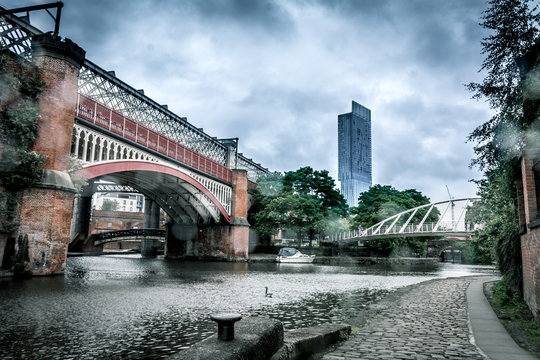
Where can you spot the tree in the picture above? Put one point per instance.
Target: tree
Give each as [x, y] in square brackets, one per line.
[383, 201]
[514, 27]
[305, 201]
[320, 184]
[302, 214]
[109, 205]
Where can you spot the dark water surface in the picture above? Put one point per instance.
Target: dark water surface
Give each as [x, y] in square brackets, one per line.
[124, 306]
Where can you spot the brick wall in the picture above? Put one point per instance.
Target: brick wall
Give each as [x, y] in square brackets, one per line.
[530, 236]
[57, 110]
[47, 228]
[46, 210]
[118, 220]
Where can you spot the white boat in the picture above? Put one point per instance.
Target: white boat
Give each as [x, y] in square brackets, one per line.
[292, 255]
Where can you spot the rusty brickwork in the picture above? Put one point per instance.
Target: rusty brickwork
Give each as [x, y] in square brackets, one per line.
[239, 228]
[530, 234]
[46, 210]
[45, 216]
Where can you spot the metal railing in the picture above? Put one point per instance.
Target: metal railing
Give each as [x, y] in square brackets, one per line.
[108, 236]
[116, 123]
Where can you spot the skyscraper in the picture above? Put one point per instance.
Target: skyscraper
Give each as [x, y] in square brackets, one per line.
[354, 152]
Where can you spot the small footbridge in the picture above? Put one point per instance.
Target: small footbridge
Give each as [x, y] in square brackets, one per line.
[414, 223]
[95, 242]
[127, 236]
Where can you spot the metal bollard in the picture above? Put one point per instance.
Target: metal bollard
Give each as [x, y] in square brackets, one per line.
[225, 323]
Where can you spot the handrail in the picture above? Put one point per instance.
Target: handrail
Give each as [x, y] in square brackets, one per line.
[115, 122]
[129, 232]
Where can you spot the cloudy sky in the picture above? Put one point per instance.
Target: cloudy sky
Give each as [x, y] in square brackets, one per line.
[277, 73]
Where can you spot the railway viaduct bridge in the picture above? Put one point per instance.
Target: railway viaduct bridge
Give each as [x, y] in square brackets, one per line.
[115, 132]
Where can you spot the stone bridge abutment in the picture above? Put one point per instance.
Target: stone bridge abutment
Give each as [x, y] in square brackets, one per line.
[224, 241]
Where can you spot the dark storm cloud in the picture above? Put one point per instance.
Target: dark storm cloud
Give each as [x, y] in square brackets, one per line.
[265, 15]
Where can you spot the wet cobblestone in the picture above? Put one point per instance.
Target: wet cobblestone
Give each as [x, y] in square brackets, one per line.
[429, 321]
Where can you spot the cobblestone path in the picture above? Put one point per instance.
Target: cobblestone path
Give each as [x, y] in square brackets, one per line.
[428, 321]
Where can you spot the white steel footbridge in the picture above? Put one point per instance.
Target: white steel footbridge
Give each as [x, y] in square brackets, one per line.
[413, 223]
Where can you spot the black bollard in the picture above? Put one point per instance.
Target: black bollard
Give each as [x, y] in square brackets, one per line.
[225, 323]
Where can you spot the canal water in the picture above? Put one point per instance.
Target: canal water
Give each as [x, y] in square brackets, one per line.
[128, 307]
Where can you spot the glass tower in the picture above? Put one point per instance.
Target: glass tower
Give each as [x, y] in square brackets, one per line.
[354, 152]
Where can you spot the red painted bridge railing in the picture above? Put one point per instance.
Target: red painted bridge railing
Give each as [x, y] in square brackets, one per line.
[113, 121]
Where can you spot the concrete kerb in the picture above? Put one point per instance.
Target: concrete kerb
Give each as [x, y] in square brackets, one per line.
[300, 343]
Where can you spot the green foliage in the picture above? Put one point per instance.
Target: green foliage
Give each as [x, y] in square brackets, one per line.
[383, 201]
[498, 237]
[78, 180]
[514, 27]
[20, 167]
[110, 205]
[304, 201]
[523, 325]
[318, 184]
[8, 203]
[468, 252]
[506, 297]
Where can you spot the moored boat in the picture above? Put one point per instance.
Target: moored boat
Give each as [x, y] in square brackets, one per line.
[292, 255]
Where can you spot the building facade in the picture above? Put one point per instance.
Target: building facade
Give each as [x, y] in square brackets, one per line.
[354, 152]
[132, 202]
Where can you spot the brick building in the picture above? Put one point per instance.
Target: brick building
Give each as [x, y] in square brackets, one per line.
[528, 185]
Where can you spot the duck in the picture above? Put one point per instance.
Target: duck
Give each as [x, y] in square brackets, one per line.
[266, 293]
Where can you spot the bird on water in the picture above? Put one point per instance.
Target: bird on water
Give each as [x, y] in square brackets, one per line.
[266, 293]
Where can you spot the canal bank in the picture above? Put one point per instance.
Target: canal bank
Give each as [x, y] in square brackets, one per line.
[441, 319]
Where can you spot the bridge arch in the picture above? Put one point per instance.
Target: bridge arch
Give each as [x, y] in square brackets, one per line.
[181, 196]
[402, 225]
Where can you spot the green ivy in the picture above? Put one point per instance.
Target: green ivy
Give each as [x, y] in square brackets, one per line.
[21, 85]
[20, 166]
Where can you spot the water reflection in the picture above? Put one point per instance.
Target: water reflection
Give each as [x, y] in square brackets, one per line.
[129, 307]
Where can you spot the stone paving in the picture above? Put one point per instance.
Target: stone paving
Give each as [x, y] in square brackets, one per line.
[428, 321]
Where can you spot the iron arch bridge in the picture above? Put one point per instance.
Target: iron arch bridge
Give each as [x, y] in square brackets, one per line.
[403, 225]
[128, 235]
